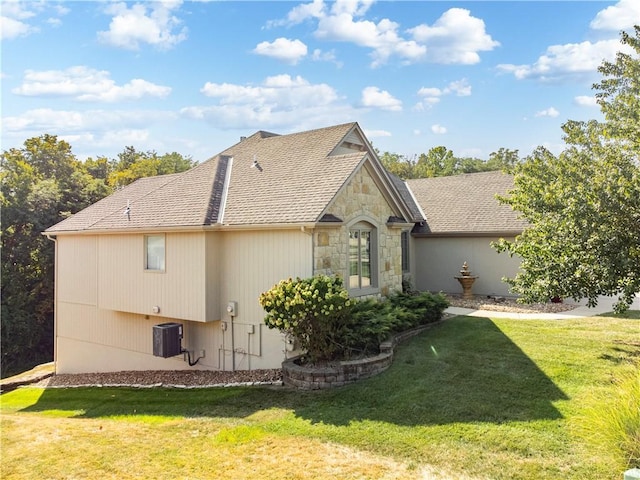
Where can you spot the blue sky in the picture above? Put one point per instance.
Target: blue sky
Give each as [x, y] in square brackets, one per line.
[193, 77]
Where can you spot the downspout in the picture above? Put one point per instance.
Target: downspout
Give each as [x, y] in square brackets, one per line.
[233, 348]
[55, 300]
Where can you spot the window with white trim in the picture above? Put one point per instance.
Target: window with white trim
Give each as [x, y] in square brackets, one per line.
[154, 253]
[362, 257]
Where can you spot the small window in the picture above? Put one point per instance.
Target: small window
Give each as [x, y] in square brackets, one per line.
[154, 249]
[404, 244]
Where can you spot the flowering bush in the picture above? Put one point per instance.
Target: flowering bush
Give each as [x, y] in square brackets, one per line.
[313, 310]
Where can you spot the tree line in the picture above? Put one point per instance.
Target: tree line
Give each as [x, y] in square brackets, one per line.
[441, 162]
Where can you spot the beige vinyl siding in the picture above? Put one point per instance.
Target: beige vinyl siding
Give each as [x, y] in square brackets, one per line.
[77, 270]
[94, 340]
[116, 333]
[90, 339]
[439, 260]
[179, 291]
[252, 263]
[214, 254]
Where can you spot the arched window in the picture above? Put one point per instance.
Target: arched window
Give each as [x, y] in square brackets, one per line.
[363, 255]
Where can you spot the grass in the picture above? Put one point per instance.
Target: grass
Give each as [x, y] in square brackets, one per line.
[631, 314]
[472, 398]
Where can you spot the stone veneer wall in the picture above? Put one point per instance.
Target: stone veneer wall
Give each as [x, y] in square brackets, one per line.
[361, 197]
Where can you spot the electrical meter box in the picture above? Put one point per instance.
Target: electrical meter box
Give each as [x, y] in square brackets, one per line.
[167, 340]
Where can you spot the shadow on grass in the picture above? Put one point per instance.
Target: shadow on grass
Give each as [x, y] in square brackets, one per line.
[463, 370]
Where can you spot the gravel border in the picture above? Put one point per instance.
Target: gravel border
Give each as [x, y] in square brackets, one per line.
[185, 379]
[507, 304]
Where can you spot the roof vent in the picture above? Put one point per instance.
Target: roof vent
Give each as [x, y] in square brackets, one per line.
[242, 139]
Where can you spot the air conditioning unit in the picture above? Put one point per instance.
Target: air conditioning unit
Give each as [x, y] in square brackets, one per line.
[167, 339]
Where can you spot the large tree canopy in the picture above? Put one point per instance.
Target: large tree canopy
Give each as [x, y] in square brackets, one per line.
[584, 205]
[41, 184]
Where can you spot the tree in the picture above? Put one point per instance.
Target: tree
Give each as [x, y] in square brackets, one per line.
[437, 162]
[399, 165]
[41, 184]
[504, 159]
[440, 161]
[132, 165]
[584, 205]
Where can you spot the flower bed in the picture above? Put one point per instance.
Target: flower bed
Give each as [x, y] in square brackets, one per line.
[340, 373]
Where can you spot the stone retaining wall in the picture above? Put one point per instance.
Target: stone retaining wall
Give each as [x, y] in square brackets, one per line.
[344, 372]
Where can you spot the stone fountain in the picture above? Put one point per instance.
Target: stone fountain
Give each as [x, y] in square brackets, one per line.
[466, 280]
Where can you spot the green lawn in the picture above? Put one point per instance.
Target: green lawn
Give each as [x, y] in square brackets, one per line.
[471, 398]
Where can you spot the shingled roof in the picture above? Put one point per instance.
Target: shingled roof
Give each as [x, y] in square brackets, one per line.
[264, 179]
[466, 205]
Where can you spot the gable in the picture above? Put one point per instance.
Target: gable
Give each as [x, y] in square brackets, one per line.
[365, 195]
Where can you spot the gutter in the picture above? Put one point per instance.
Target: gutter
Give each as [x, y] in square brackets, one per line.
[461, 234]
[55, 297]
[190, 228]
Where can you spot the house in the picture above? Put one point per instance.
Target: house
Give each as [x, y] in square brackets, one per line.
[462, 218]
[197, 248]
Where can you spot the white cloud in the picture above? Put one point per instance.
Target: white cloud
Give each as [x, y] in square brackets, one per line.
[152, 23]
[438, 129]
[381, 37]
[586, 101]
[432, 95]
[455, 38]
[18, 18]
[620, 16]
[280, 91]
[582, 59]
[377, 133]
[13, 21]
[548, 112]
[460, 87]
[280, 100]
[66, 122]
[374, 97]
[288, 51]
[300, 13]
[561, 61]
[11, 28]
[330, 56]
[86, 84]
[430, 92]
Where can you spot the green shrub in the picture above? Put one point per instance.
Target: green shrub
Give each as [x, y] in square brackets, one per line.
[427, 306]
[313, 310]
[610, 421]
[373, 321]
